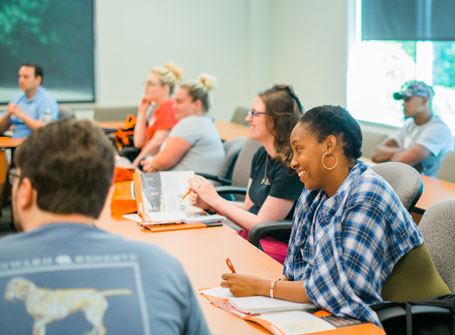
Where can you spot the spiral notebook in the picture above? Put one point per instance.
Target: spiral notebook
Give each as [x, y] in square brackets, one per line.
[260, 304]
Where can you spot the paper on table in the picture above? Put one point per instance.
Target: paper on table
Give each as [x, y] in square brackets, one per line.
[133, 217]
[219, 292]
[295, 322]
[260, 304]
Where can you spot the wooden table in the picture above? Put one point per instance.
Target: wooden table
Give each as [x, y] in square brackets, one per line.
[111, 124]
[434, 191]
[8, 142]
[229, 130]
[202, 253]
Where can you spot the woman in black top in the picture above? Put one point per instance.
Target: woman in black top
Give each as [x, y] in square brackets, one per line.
[273, 187]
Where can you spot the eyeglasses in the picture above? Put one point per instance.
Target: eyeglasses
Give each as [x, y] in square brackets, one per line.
[150, 83]
[13, 176]
[253, 113]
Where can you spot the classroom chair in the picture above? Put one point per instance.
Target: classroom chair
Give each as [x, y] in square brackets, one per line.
[113, 113]
[438, 228]
[405, 181]
[239, 116]
[236, 189]
[232, 150]
[369, 141]
[65, 112]
[447, 169]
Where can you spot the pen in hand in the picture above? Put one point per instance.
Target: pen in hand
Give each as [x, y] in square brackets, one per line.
[189, 191]
[229, 264]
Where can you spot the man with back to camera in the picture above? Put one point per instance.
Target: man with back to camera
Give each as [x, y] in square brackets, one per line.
[62, 273]
[424, 139]
[27, 110]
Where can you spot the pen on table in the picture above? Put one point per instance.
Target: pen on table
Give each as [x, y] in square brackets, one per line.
[189, 191]
[229, 264]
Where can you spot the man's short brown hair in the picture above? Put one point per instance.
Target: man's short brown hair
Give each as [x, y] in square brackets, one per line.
[70, 164]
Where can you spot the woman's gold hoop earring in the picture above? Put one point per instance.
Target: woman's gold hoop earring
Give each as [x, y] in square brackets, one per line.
[325, 166]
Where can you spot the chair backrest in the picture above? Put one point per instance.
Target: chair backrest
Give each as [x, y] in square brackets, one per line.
[113, 113]
[232, 149]
[369, 141]
[65, 113]
[239, 116]
[438, 228]
[242, 166]
[447, 169]
[404, 179]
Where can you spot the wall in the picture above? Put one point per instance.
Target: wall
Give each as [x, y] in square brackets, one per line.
[247, 44]
[309, 49]
[199, 35]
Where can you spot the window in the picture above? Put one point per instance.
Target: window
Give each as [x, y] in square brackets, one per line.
[377, 68]
[58, 35]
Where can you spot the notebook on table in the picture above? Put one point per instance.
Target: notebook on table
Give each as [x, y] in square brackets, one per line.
[282, 317]
[161, 201]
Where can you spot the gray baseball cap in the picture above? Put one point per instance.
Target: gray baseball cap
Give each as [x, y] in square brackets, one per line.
[414, 88]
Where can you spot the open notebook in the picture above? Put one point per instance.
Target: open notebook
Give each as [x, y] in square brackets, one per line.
[259, 305]
[160, 199]
[282, 317]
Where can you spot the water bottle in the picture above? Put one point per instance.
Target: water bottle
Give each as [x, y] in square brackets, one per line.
[47, 116]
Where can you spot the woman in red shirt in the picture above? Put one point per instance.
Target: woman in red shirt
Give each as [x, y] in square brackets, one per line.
[159, 88]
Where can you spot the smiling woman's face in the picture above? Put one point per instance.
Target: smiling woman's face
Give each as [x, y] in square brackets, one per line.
[307, 156]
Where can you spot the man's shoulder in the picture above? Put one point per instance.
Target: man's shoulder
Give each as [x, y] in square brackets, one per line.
[45, 94]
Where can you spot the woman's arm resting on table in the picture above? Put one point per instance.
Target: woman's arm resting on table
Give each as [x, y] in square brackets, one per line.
[247, 285]
[153, 146]
[172, 152]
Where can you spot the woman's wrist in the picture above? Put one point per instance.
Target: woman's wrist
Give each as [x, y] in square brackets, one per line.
[263, 287]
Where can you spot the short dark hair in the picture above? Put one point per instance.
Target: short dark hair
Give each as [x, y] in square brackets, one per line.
[38, 69]
[70, 164]
[283, 109]
[335, 120]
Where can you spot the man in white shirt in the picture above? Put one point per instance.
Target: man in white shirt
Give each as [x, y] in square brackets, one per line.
[424, 139]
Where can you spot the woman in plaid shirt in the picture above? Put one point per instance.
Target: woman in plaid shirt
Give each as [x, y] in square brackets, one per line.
[349, 227]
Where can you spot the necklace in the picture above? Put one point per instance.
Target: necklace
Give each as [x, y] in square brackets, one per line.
[265, 180]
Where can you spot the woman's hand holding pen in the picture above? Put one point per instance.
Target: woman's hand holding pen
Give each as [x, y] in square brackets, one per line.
[240, 285]
[245, 285]
[203, 193]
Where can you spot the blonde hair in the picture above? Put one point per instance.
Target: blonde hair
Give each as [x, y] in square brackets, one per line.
[200, 88]
[169, 75]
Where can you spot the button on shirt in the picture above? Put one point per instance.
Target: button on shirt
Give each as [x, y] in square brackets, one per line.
[35, 107]
[344, 247]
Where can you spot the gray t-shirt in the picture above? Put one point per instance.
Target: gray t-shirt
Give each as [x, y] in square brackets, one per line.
[206, 153]
[433, 135]
[69, 278]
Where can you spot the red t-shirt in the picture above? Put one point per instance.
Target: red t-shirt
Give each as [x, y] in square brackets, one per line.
[163, 118]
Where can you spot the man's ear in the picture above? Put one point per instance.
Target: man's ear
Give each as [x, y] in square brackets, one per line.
[25, 194]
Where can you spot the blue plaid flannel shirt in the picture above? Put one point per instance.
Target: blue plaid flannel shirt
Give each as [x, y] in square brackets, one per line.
[344, 247]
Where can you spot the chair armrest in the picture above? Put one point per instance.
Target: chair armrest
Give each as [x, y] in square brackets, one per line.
[221, 180]
[229, 192]
[386, 314]
[266, 228]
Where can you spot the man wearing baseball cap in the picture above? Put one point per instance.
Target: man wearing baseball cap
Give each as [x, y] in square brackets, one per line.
[424, 139]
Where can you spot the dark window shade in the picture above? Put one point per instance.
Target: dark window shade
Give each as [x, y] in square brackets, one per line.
[58, 35]
[415, 20]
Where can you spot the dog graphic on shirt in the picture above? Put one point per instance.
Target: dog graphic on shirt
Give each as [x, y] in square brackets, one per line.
[46, 306]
